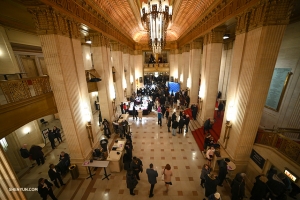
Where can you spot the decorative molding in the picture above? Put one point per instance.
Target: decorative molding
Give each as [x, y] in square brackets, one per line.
[214, 36]
[197, 44]
[83, 12]
[49, 21]
[228, 45]
[99, 40]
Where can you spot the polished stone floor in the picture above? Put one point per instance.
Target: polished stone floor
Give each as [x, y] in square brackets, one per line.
[152, 144]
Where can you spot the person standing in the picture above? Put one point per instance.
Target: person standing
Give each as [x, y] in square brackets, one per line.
[163, 110]
[187, 122]
[205, 170]
[169, 123]
[167, 113]
[57, 134]
[222, 170]
[134, 112]
[238, 187]
[152, 174]
[210, 184]
[167, 176]
[37, 154]
[131, 181]
[137, 167]
[140, 114]
[174, 116]
[54, 176]
[51, 137]
[209, 155]
[121, 106]
[25, 154]
[174, 127]
[45, 189]
[220, 109]
[159, 116]
[128, 148]
[260, 188]
[180, 125]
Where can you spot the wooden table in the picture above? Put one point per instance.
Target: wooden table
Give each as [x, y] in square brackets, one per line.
[123, 117]
[95, 163]
[116, 161]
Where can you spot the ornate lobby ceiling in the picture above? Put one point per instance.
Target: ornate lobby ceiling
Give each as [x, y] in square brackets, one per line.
[126, 13]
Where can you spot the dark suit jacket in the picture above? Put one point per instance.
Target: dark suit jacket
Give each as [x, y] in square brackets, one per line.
[44, 191]
[152, 174]
[53, 175]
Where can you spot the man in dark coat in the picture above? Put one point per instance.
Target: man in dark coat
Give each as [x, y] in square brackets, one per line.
[238, 187]
[137, 167]
[37, 154]
[180, 125]
[187, 121]
[131, 181]
[134, 112]
[174, 116]
[152, 174]
[187, 100]
[45, 189]
[222, 170]
[54, 176]
[210, 184]
[51, 137]
[57, 134]
[259, 189]
[107, 132]
[220, 109]
[174, 127]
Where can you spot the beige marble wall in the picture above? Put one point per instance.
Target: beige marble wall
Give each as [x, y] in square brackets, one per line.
[138, 67]
[8, 61]
[86, 56]
[249, 83]
[288, 57]
[211, 68]
[132, 72]
[195, 60]
[63, 57]
[225, 67]
[8, 179]
[126, 62]
[185, 70]
[117, 62]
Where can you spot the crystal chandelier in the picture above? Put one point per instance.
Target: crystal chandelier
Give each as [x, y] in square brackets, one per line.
[156, 15]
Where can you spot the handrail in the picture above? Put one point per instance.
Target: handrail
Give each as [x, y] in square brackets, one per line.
[284, 145]
[20, 89]
[283, 130]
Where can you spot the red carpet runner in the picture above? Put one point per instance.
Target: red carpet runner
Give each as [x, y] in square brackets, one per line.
[215, 131]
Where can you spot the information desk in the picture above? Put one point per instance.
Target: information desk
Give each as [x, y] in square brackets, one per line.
[116, 161]
[95, 163]
[123, 117]
[119, 146]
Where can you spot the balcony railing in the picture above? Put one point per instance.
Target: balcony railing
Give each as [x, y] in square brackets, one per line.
[284, 145]
[16, 90]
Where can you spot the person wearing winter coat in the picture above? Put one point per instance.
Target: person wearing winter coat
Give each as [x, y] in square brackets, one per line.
[180, 125]
[131, 181]
[259, 189]
[169, 123]
[210, 184]
[238, 187]
[205, 170]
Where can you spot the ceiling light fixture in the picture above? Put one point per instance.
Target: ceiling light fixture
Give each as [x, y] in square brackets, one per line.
[155, 16]
[226, 36]
[88, 40]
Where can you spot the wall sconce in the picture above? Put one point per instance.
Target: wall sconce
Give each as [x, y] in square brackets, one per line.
[114, 105]
[200, 105]
[26, 130]
[90, 133]
[125, 92]
[227, 133]
[113, 73]
[88, 40]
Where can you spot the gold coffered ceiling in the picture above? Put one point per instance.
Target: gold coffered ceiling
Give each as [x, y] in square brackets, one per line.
[126, 15]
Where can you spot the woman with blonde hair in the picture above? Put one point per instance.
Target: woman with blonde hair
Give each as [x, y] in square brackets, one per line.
[167, 176]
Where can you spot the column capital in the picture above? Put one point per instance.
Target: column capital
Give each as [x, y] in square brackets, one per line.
[186, 48]
[197, 44]
[49, 21]
[172, 51]
[268, 12]
[115, 46]
[99, 40]
[214, 36]
[228, 44]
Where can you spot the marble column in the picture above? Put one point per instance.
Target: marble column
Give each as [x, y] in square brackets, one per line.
[138, 68]
[132, 75]
[195, 62]
[126, 63]
[117, 63]
[258, 38]
[62, 51]
[102, 64]
[185, 66]
[9, 180]
[211, 60]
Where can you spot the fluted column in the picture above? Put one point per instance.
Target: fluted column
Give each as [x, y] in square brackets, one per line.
[132, 74]
[60, 39]
[138, 68]
[258, 38]
[117, 63]
[212, 52]
[102, 64]
[180, 65]
[186, 65]
[195, 62]
[8, 179]
[126, 63]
